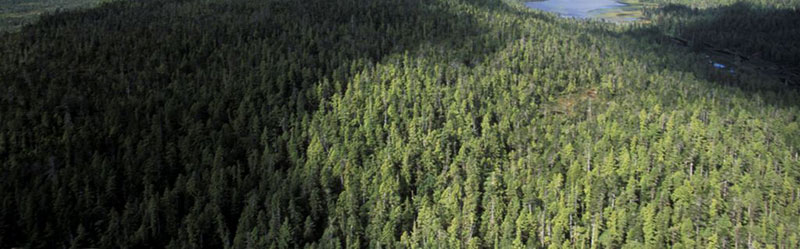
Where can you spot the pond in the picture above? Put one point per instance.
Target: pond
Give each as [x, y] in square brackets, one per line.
[610, 10]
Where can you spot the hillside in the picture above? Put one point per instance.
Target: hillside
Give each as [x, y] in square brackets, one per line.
[16, 13]
[399, 124]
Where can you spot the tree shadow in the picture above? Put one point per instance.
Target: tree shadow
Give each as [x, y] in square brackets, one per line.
[749, 30]
[753, 48]
[181, 70]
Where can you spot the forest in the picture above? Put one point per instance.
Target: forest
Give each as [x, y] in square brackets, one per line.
[16, 13]
[400, 124]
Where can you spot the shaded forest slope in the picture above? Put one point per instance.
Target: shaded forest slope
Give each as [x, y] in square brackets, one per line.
[16, 13]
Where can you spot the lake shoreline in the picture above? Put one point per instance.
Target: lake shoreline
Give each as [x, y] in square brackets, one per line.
[608, 10]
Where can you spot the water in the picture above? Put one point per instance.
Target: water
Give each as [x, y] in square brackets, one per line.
[721, 66]
[610, 10]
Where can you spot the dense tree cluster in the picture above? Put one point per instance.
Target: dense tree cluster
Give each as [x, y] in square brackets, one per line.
[383, 124]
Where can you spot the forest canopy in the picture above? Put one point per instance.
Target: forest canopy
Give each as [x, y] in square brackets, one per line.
[14, 14]
[400, 124]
